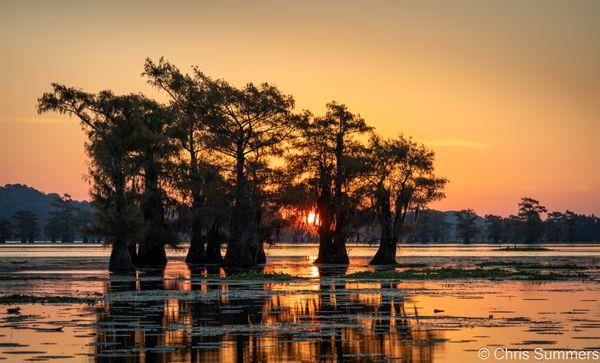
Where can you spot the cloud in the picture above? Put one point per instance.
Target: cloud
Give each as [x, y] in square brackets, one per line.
[586, 187]
[457, 143]
[34, 120]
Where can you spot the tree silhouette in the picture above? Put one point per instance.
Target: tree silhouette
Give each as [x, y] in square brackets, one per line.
[465, 225]
[153, 151]
[253, 122]
[63, 222]
[399, 175]
[26, 226]
[5, 230]
[325, 160]
[109, 125]
[431, 227]
[494, 228]
[530, 212]
[198, 178]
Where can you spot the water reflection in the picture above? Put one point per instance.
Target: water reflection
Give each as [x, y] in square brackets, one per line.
[324, 319]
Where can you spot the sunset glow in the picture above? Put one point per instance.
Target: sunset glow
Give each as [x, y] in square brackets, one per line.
[505, 92]
[312, 218]
[299, 181]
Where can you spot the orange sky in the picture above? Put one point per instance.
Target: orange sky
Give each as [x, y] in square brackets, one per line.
[506, 92]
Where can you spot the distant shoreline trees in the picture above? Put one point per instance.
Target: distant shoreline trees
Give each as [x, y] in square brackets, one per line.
[466, 228]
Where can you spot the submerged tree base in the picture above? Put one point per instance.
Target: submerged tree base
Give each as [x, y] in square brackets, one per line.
[333, 255]
[120, 260]
[385, 255]
[200, 258]
[152, 256]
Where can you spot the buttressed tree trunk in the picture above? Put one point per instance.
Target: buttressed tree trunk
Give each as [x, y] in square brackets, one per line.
[324, 209]
[197, 251]
[132, 248]
[213, 243]
[206, 250]
[151, 251]
[243, 248]
[386, 253]
[120, 259]
[338, 253]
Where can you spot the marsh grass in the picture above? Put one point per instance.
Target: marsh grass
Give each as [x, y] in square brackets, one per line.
[35, 299]
[530, 265]
[524, 249]
[454, 273]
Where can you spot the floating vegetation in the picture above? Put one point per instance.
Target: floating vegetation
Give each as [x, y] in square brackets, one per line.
[524, 248]
[34, 299]
[530, 265]
[456, 273]
[411, 265]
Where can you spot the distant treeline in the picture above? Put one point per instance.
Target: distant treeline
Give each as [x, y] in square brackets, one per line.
[64, 219]
[67, 220]
[532, 224]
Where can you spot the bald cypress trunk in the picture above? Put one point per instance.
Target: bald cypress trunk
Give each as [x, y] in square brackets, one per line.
[324, 210]
[120, 260]
[133, 254]
[339, 253]
[332, 246]
[213, 244]
[386, 253]
[242, 248]
[208, 249]
[151, 251]
[197, 250]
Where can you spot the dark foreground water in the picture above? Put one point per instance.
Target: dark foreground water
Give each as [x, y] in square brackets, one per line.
[199, 315]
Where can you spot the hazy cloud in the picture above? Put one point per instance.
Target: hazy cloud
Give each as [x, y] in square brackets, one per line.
[586, 187]
[457, 143]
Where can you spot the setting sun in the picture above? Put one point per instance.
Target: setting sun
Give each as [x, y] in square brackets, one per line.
[312, 218]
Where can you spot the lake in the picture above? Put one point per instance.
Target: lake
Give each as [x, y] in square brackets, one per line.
[313, 313]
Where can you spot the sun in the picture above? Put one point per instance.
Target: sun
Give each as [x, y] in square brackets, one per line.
[312, 218]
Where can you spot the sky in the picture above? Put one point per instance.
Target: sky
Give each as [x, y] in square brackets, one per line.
[506, 92]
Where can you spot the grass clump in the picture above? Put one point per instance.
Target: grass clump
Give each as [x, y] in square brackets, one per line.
[33, 299]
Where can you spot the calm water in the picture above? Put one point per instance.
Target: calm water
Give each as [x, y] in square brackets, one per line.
[183, 315]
